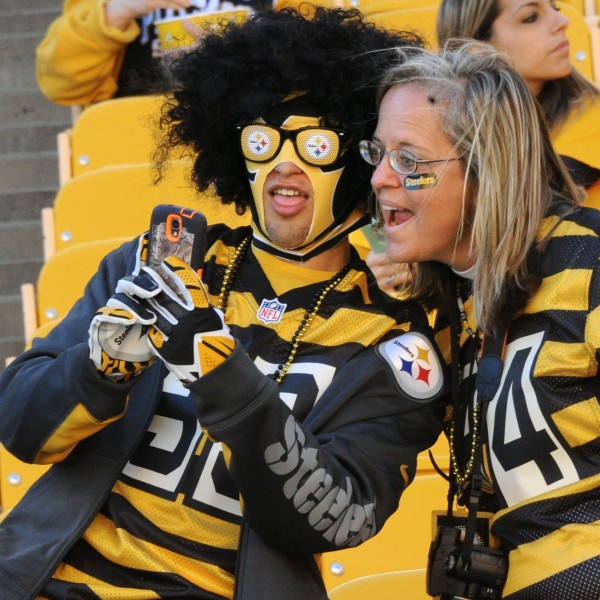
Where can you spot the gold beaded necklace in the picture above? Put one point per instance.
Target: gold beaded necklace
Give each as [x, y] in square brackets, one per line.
[465, 476]
[307, 319]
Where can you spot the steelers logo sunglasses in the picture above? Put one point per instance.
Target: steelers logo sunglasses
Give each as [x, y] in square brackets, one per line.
[316, 146]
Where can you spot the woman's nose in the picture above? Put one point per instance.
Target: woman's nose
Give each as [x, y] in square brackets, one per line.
[384, 176]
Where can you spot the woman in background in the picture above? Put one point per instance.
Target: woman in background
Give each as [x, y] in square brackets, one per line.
[533, 35]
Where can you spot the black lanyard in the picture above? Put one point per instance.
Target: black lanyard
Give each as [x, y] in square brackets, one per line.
[487, 382]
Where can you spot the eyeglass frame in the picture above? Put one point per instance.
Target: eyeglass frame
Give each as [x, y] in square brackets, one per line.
[392, 158]
[292, 135]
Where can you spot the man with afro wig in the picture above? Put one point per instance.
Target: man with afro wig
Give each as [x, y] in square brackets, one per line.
[212, 431]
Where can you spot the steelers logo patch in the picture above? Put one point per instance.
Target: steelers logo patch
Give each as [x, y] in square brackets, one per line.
[415, 365]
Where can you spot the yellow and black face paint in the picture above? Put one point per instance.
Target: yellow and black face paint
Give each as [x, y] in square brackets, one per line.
[420, 182]
[300, 136]
[323, 183]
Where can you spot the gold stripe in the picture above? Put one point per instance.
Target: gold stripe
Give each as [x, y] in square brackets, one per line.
[566, 228]
[78, 425]
[101, 588]
[579, 487]
[564, 548]
[569, 360]
[127, 551]
[175, 518]
[562, 291]
[580, 423]
[358, 326]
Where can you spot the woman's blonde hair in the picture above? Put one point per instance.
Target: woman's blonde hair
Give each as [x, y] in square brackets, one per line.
[475, 18]
[513, 176]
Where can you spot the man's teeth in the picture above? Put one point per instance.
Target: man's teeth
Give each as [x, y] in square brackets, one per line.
[284, 192]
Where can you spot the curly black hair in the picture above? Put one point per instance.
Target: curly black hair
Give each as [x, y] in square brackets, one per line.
[334, 56]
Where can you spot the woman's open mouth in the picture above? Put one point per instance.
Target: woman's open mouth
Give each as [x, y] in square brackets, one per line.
[395, 216]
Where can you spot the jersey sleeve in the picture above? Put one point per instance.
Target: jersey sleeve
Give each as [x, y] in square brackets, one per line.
[79, 59]
[331, 480]
[51, 396]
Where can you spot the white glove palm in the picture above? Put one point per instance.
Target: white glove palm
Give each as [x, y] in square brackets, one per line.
[118, 339]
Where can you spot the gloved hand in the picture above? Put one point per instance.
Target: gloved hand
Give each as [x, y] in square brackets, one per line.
[118, 338]
[118, 332]
[189, 335]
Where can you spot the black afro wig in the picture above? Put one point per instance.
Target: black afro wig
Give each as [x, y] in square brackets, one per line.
[333, 56]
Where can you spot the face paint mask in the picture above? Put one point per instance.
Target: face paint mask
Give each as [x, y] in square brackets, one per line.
[309, 141]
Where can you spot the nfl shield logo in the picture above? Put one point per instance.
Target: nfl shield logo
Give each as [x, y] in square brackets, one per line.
[271, 311]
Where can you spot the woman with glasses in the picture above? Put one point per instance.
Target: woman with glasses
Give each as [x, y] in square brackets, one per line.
[533, 35]
[473, 195]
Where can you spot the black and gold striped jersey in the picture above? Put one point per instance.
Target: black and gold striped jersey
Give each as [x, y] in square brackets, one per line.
[171, 524]
[542, 450]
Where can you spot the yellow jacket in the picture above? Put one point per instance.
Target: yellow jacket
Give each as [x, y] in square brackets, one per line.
[579, 138]
[79, 59]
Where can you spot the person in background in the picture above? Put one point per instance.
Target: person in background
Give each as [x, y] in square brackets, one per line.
[208, 437]
[474, 196]
[101, 49]
[533, 35]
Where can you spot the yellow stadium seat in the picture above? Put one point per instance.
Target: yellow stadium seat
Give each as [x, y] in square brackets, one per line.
[117, 201]
[578, 5]
[583, 41]
[307, 6]
[421, 20]
[402, 544]
[16, 478]
[61, 282]
[364, 6]
[369, 7]
[593, 24]
[63, 276]
[396, 585]
[116, 131]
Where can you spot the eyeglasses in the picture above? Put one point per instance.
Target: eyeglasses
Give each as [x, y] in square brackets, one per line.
[401, 161]
[316, 146]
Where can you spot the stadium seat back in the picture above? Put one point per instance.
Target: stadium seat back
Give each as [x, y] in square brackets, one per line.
[115, 131]
[64, 275]
[395, 585]
[117, 201]
[578, 32]
[420, 19]
[400, 547]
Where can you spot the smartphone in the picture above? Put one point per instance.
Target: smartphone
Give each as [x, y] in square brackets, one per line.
[177, 231]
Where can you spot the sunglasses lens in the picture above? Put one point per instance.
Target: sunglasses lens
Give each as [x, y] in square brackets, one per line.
[259, 143]
[318, 147]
